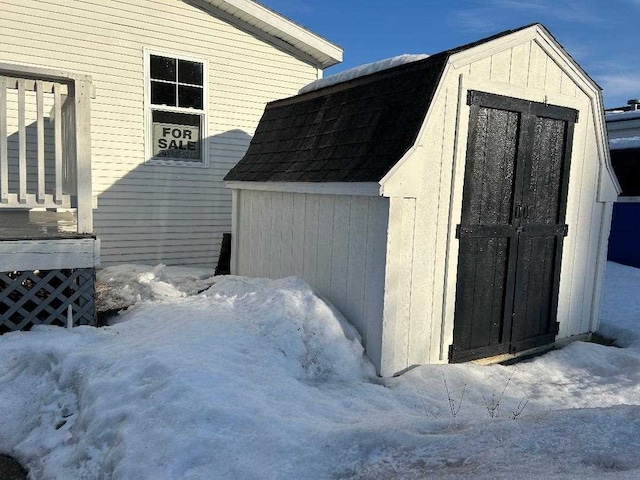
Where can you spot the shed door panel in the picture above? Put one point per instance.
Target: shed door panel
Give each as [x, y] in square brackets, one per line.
[486, 214]
[541, 234]
[514, 203]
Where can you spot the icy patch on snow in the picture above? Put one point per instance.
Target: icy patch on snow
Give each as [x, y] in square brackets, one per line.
[624, 143]
[121, 286]
[362, 70]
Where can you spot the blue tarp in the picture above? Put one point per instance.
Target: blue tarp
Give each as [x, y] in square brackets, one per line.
[624, 241]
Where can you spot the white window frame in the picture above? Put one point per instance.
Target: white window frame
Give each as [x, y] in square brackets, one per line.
[149, 107]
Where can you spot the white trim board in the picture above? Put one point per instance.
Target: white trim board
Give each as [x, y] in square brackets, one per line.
[48, 254]
[367, 189]
[281, 29]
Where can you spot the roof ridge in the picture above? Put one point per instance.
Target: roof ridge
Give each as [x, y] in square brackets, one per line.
[354, 82]
[383, 74]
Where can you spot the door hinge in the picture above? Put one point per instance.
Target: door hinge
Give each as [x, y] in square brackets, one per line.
[450, 353]
[565, 230]
[470, 97]
[458, 229]
[556, 328]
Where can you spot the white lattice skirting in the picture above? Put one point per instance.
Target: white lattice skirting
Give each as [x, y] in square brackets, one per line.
[42, 297]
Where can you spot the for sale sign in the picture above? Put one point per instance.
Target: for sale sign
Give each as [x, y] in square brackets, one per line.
[176, 141]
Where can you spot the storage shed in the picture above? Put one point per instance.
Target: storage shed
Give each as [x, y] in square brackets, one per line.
[453, 208]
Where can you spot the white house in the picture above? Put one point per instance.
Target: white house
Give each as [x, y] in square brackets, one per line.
[177, 89]
[118, 121]
[453, 208]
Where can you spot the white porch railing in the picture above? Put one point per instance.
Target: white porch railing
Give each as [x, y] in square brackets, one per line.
[45, 164]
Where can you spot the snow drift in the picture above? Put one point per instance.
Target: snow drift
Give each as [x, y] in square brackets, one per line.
[162, 394]
[262, 379]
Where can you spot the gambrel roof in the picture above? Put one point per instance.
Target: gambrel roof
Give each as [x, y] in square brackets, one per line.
[355, 131]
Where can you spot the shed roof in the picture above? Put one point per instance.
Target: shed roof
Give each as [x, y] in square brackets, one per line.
[354, 131]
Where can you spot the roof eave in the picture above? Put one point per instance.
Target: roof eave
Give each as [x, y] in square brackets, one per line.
[321, 52]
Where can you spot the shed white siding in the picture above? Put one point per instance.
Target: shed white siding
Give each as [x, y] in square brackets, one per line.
[426, 200]
[337, 243]
[154, 213]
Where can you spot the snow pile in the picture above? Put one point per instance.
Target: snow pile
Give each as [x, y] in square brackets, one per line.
[624, 143]
[361, 71]
[262, 379]
[219, 385]
[292, 320]
[121, 286]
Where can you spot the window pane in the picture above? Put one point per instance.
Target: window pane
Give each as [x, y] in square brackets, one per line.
[163, 68]
[163, 94]
[189, 72]
[189, 97]
[172, 117]
[177, 136]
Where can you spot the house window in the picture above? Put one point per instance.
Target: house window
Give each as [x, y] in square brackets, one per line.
[177, 109]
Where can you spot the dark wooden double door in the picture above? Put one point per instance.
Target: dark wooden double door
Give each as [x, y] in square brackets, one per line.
[513, 226]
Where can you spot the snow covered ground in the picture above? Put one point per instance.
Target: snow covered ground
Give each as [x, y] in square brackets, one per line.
[260, 379]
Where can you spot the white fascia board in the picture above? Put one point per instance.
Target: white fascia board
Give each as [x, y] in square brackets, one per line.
[609, 187]
[323, 52]
[365, 189]
[486, 49]
[537, 31]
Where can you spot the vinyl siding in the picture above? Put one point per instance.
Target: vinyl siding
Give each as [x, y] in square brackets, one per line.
[149, 213]
[334, 242]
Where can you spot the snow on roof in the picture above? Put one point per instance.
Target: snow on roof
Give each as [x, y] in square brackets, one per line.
[624, 143]
[362, 70]
[617, 116]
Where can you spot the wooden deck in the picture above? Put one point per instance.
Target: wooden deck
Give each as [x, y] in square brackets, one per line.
[48, 252]
[38, 225]
[43, 240]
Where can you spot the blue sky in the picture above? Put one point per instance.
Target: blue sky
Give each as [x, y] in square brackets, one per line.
[599, 34]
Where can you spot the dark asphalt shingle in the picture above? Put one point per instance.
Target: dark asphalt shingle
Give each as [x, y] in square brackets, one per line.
[354, 131]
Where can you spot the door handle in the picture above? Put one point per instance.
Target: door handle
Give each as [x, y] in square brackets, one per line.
[518, 211]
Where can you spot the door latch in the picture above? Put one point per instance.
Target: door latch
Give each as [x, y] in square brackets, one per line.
[518, 211]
